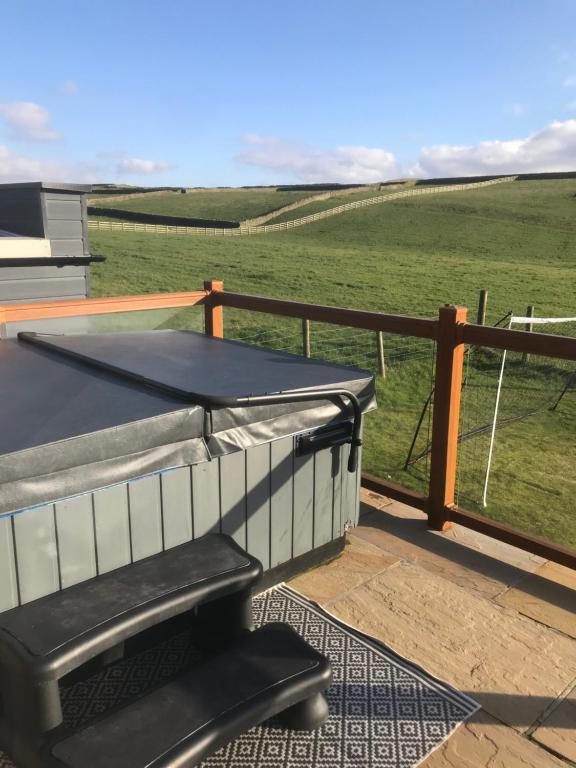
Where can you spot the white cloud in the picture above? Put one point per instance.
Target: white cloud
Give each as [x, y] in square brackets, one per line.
[551, 149]
[16, 167]
[137, 165]
[69, 87]
[346, 164]
[27, 121]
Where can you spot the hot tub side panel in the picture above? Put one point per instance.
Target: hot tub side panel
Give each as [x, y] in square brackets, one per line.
[273, 503]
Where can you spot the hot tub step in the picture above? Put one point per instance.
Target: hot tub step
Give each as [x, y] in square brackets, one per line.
[267, 672]
[44, 640]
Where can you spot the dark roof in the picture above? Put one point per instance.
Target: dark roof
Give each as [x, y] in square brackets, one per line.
[48, 186]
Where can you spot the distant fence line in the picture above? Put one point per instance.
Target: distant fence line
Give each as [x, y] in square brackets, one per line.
[120, 196]
[126, 226]
[140, 217]
[258, 220]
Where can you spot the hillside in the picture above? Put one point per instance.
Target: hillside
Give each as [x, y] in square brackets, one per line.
[518, 240]
[227, 204]
[405, 256]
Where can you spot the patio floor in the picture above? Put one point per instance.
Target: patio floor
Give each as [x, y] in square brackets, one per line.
[495, 622]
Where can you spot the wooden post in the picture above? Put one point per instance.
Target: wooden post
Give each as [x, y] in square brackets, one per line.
[306, 348]
[482, 303]
[380, 352]
[213, 313]
[529, 327]
[446, 418]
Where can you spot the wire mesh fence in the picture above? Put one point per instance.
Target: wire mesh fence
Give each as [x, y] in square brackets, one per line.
[403, 367]
[515, 458]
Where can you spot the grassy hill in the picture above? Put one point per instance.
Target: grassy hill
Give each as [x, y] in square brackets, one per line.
[229, 204]
[518, 240]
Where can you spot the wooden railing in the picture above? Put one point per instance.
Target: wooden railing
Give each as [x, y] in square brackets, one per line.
[450, 331]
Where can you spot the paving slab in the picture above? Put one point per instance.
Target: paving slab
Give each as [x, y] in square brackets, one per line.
[548, 596]
[370, 501]
[558, 731]
[484, 742]
[374, 500]
[487, 545]
[359, 562]
[558, 574]
[514, 667]
[411, 540]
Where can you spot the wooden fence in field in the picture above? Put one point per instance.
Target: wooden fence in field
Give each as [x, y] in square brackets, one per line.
[257, 221]
[163, 229]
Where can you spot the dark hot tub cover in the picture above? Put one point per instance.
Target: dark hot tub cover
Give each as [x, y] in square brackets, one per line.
[66, 429]
[85, 411]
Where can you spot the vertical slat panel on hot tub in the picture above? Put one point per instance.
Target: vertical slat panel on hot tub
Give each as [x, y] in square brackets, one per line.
[36, 553]
[233, 496]
[76, 542]
[258, 503]
[112, 528]
[281, 500]
[338, 473]
[356, 516]
[8, 582]
[206, 498]
[323, 496]
[145, 505]
[303, 530]
[177, 506]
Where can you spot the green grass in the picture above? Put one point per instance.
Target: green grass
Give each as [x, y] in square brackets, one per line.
[517, 240]
[224, 204]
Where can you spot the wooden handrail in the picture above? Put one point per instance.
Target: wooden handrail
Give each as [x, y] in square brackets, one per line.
[354, 318]
[11, 313]
[545, 344]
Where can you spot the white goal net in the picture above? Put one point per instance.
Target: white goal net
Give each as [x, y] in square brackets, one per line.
[529, 384]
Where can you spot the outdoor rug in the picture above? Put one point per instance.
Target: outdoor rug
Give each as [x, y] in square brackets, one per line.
[384, 711]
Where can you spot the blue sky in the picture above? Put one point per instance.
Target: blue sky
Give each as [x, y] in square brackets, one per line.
[230, 93]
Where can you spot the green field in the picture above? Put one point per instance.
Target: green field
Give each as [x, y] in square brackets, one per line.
[223, 204]
[517, 240]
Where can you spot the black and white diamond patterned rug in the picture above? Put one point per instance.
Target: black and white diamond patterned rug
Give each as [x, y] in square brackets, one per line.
[384, 711]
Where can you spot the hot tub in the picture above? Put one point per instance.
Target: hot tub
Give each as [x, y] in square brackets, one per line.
[116, 446]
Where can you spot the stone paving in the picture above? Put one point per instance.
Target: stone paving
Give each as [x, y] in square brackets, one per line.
[493, 621]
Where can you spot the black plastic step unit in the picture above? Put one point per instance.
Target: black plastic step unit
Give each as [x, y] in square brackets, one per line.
[44, 640]
[269, 671]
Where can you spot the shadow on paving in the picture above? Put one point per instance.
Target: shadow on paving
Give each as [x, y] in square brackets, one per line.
[416, 533]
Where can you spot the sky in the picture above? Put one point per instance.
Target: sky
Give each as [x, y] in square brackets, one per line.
[229, 93]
